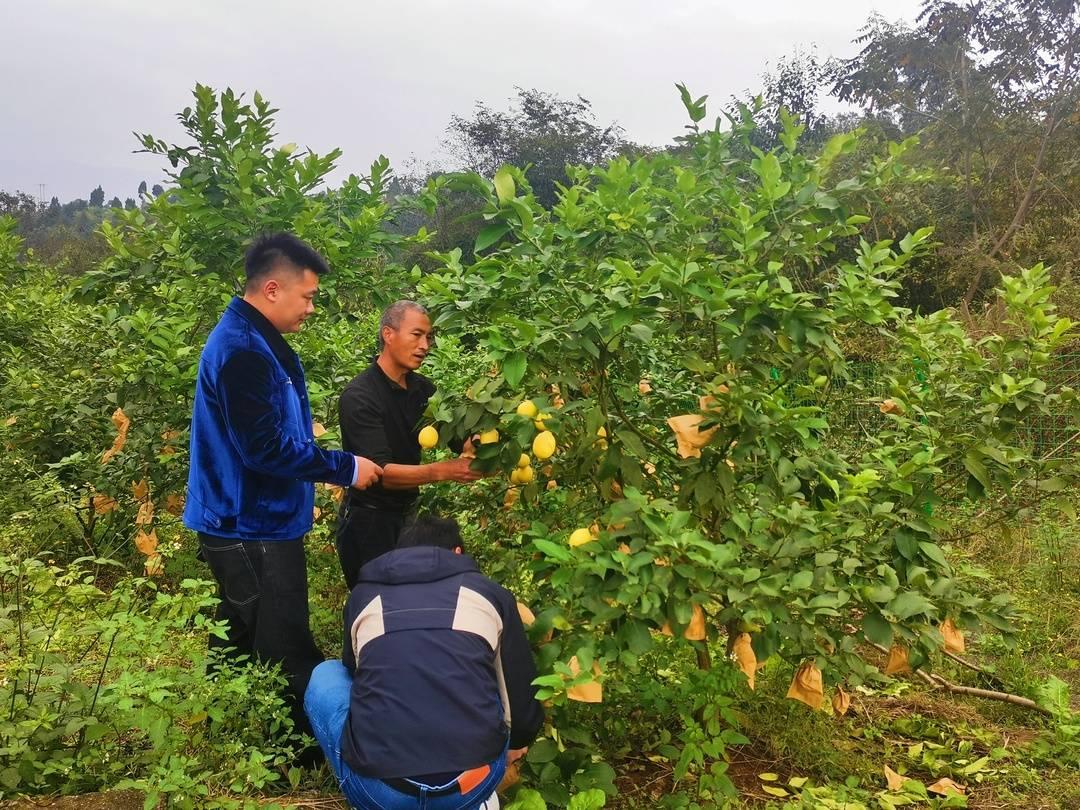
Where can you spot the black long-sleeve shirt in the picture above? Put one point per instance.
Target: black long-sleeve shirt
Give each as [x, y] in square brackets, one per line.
[380, 420]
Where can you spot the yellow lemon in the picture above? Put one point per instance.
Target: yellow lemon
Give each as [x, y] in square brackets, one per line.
[524, 461]
[580, 537]
[527, 409]
[539, 424]
[543, 445]
[429, 437]
[489, 436]
[525, 475]
[601, 432]
[515, 476]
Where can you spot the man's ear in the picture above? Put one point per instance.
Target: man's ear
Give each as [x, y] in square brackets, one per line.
[459, 550]
[270, 288]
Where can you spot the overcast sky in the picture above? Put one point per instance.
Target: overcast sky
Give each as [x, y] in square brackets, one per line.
[369, 76]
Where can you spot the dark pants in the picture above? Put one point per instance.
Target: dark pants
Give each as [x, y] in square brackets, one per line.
[263, 589]
[363, 534]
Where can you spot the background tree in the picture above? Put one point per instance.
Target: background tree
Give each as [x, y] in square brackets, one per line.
[540, 131]
[992, 86]
[97, 197]
[142, 188]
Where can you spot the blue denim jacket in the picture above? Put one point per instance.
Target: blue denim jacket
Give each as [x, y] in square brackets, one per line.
[253, 454]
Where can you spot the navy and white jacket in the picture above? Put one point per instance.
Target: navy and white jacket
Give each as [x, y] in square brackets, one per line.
[442, 670]
[253, 454]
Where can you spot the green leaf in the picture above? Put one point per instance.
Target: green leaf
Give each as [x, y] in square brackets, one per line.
[802, 580]
[877, 628]
[908, 604]
[504, 185]
[527, 799]
[513, 368]
[906, 543]
[554, 550]
[974, 465]
[592, 799]
[489, 235]
[542, 751]
[934, 552]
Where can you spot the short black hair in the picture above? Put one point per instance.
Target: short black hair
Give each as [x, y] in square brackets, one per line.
[272, 249]
[432, 531]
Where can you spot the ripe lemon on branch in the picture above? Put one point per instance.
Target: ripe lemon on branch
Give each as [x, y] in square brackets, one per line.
[543, 445]
[429, 437]
[580, 537]
[527, 409]
[522, 475]
[489, 436]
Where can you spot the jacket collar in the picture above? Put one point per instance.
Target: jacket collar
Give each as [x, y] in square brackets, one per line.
[416, 564]
[282, 350]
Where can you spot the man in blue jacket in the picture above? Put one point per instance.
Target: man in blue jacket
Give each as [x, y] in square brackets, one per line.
[254, 460]
[433, 695]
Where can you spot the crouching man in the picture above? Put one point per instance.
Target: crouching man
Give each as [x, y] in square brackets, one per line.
[433, 696]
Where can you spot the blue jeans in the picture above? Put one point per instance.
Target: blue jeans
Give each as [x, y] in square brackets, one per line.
[327, 705]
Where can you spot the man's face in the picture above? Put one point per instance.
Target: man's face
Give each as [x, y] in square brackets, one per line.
[291, 296]
[409, 344]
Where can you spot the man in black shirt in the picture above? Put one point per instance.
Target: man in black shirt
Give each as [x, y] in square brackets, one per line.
[380, 411]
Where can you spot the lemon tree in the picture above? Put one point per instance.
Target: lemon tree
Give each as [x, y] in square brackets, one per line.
[682, 322]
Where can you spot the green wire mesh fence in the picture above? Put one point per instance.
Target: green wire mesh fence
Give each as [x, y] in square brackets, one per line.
[853, 413]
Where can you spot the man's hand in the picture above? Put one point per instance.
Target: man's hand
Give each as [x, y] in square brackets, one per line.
[459, 469]
[514, 754]
[367, 472]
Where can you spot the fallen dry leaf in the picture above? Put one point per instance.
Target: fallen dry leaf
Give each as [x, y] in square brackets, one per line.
[891, 406]
[103, 504]
[526, 614]
[946, 786]
[893, 780]
[11, 420]
[898, 660]
[954, 638]
[174, 504]
[512, 495]
[841, 701]
[140, 489]
[591, 692]
[146, 514]
[644, 387]
[689, 438]
[745, 658]
[317, 429]
[147, 543]
[695, 631]
[122, 423]
[806, 685]
[316, 513]
[625, 549]
[552, 484]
